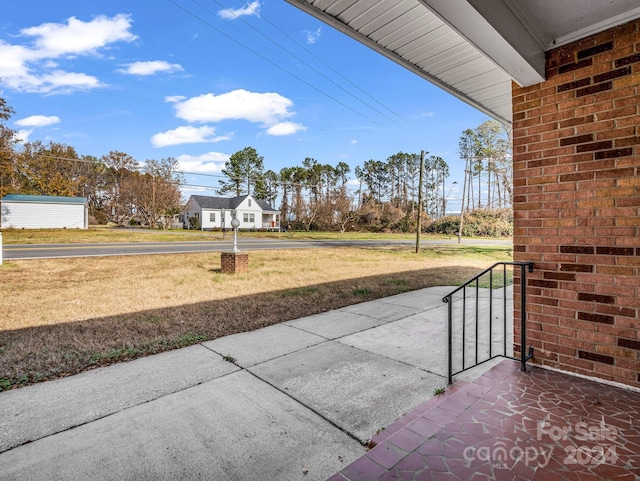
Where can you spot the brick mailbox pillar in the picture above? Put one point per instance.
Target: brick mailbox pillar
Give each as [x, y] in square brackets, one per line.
[234, 262]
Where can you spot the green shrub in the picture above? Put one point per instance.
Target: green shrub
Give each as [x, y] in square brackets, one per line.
[478, 223]
[194, 223]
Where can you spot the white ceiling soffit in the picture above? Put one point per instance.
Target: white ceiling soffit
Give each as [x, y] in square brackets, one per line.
[471, 48]
[472, 62]
[554, 23]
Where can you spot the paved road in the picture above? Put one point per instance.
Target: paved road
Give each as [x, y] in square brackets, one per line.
[248, 244]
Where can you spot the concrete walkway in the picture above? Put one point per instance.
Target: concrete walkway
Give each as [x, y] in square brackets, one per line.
[297, 400]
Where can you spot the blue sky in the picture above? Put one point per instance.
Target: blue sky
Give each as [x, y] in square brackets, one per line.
[200, 80]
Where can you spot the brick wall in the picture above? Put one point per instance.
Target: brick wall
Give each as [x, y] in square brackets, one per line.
[577, 204]
[234, 263]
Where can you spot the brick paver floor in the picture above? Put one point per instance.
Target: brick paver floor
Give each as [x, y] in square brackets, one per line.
[510, 425]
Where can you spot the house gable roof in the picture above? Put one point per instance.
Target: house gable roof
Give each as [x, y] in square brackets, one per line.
[208, 202]
[44, 199]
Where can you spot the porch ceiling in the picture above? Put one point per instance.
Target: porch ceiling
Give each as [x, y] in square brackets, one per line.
[473, 49]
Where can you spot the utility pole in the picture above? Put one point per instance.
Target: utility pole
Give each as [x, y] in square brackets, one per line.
[464, 194]
[419, 227]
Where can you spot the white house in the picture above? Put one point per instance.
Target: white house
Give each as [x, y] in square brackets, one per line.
[217, 212]
[43, 212]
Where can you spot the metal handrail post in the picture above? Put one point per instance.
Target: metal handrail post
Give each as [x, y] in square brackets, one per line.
[450, 310]
[504, 309]
[490, 313]
[523, 319]
[464, 325]
[477, 315]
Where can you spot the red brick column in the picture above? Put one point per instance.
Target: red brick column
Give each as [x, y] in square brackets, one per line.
[234, 262]
[577, 205]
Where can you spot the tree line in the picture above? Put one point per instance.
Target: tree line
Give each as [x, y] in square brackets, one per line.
[318, 196]
[487, 153]
[117, 188]
[310, 196]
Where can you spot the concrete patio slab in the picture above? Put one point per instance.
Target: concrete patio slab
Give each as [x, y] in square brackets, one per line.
[383, 311]
[356, 390]
[421, 300]
[33, 412]
[496, 292]
[335, 324]
[232, 428]
[249, 348]
[485, 330]
[419, 340]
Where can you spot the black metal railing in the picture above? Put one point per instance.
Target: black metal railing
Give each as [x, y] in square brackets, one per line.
[474, 285]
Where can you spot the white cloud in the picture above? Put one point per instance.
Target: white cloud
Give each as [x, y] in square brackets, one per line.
[312, 37]
[12, 61]
[77, 37]
[23, 135]
[174, 98]
[38, 121]
[209, 163]
[186, 135]
[354, 142]
[266, 108]
[252, 8]
[425, 115]
[61, 82]
[285, 128]
[151, 68]
[31, 68]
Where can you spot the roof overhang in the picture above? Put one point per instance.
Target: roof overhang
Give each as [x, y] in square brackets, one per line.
[473, 49]
[43, 199]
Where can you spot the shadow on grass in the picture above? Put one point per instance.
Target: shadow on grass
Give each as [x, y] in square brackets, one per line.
[36, 354]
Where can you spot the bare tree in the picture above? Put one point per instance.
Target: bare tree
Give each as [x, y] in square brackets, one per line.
[120, 166]
[154, 193]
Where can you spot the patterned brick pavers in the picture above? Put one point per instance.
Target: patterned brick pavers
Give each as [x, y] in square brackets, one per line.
[510, 425]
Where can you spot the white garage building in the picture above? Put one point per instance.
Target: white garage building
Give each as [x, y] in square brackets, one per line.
[43, 212]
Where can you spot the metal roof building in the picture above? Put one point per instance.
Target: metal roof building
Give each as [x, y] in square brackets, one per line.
[43, 212]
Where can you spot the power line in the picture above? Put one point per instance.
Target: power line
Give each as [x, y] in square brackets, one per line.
[304, 62]
[329, 66]
[288, 72]
[217, 176]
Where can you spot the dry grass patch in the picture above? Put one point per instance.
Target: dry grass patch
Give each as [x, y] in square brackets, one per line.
[63, 316]
[103, 235]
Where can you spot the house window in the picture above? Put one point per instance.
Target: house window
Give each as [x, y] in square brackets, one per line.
[212, 216]
[249, 202]
[249, 217]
